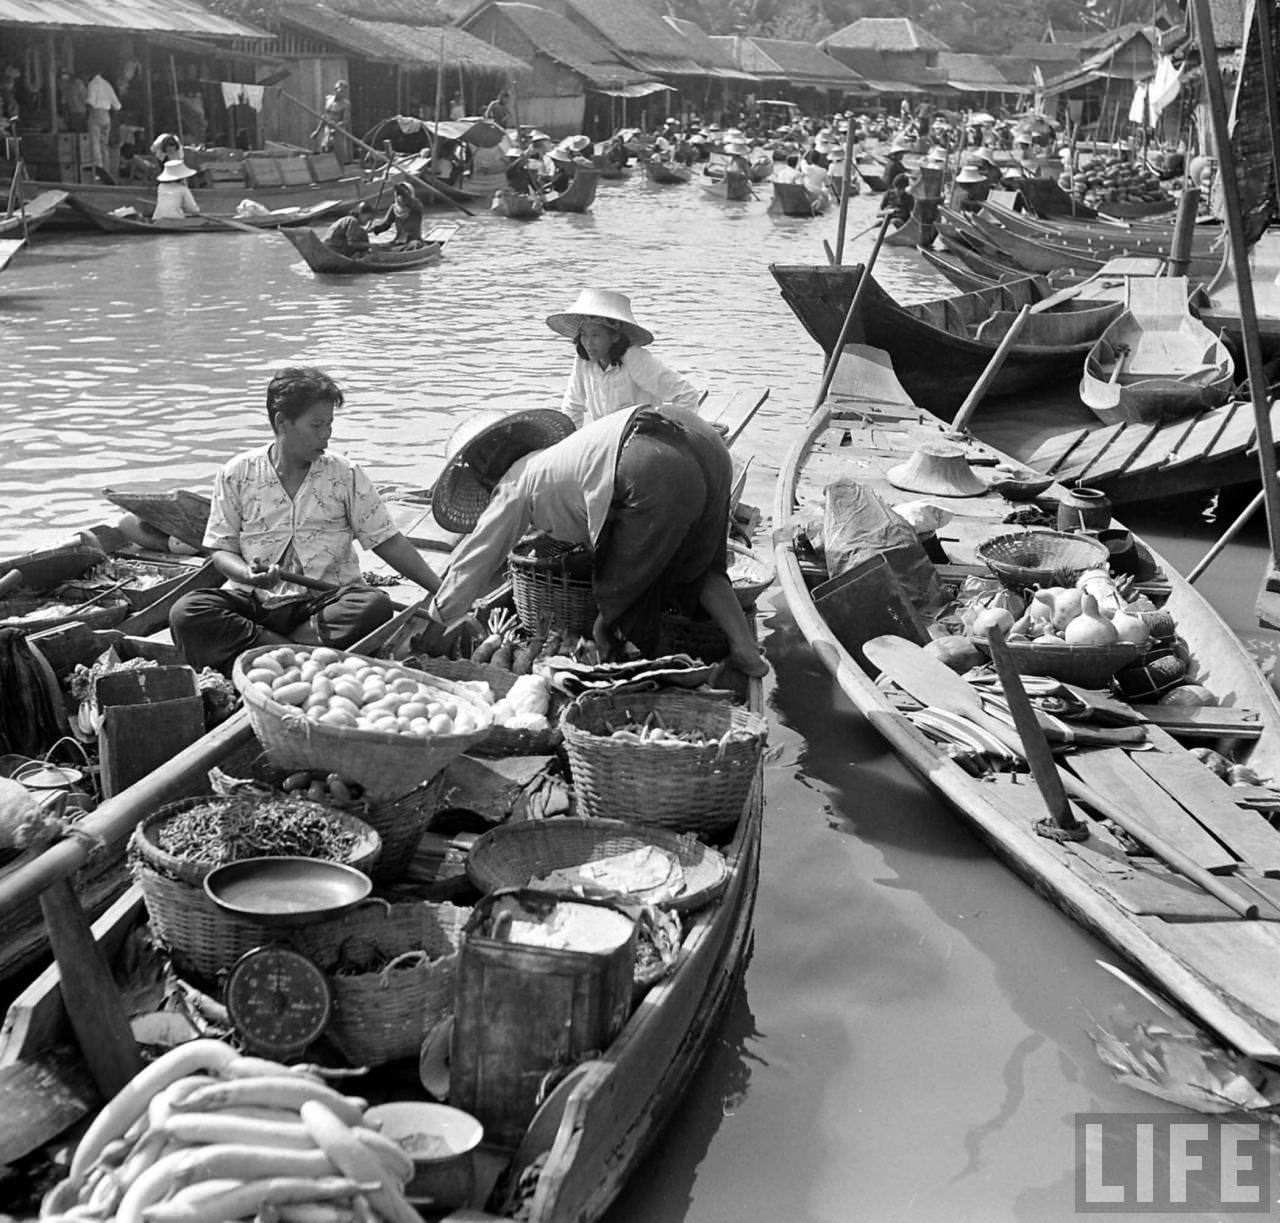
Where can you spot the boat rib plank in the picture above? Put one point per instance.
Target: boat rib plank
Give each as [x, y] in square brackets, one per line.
[1116, 460]
[1201, 440]
[1049, 457]
[1097, 441]
[1237, 435]
[1169, 439]
[1112, 771]
[1210, 800]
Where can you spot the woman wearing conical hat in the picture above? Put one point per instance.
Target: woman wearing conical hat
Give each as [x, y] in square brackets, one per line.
[613, 368]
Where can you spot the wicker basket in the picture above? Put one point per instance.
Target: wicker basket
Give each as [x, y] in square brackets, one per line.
[1088, 666]
[500, 741]
[384, 1014]
[386, 765]
[1042, 558]
[204, 941]
[400, 822]
[675, 785]
[515, 855]
[551, 586]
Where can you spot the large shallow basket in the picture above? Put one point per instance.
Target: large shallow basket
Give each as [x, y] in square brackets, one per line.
[551, 587]
[1042, 558]
[386, 765]
[409, 956]
[1088, 666]
[203, 940]
[518, 855]
[675, 785]
[500, 740]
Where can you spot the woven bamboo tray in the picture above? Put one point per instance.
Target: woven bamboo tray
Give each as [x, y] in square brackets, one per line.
[203, 940]
[388, 766]
[500, 741]
[551, 588]
[1088, 666]
[1042, 558]
[517, 855]
[675, 785]
[384, 1014]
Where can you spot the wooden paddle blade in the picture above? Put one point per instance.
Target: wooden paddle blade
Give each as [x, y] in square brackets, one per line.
[924, 677]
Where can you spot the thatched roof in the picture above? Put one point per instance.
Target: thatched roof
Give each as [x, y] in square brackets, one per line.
[1047, 52]
[748, 55]
[885, 34]
[182, 17]
[709, 52]
[406, 12]
[639, 36]
[560, 40]
[971, 73]
[803, 64]
[388, 42]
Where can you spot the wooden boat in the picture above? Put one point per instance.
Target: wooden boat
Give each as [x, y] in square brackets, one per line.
[1103, 237]
[584, 1142]
[960, 334]
[910, 234]
[760, 165]
[292, 216]
[1220, 306]
[140, 226]
[1129, 210]
[730, 186]
[31, 214]
[871, 170]
[8, 248]
[796, 200]
[579, 195]
[515, 205]
[1156, 361]
[1218, 969]
[322, 259]
[666, 172]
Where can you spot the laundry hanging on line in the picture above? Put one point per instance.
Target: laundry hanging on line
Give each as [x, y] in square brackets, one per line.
[236, 93]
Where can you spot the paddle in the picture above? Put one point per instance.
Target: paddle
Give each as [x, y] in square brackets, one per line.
[1108, 394]
[930, 680]
[960, 425]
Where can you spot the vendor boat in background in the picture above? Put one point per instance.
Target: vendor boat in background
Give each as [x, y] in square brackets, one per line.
[666, 172]
[323, 259]
[579, 195]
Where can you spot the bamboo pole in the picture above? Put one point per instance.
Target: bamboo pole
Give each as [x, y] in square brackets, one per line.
[845, 182]
[1244, 281]
[1225, 538]
[1262, 15]
[177, 104]
[435, 131]
[368, 148]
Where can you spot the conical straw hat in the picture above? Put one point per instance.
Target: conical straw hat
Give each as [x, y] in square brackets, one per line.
[479, 454]
[600, 303]
[938, 468]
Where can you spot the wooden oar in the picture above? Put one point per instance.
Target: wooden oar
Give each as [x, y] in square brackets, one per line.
[960, 425]
[1108, 394]
[931, 681]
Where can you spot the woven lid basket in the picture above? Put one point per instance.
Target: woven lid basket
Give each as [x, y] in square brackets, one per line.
[203, 940]
[1042, 558]
[391, 970]
[1089, 666]
[500, 741]
[518, 855]
[386, 765]
[675, 785]
[551, 587]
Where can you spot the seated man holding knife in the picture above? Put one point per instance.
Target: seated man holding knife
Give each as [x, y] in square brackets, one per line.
[282, 529]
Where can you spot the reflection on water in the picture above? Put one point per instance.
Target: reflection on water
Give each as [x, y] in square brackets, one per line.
[911, 1040]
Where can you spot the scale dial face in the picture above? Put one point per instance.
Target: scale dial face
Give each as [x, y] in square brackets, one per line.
[278, 1000]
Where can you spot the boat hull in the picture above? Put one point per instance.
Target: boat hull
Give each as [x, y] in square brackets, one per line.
[666, 173]
[796, 200]
[516, 206]
[324, 260]
[580, 194]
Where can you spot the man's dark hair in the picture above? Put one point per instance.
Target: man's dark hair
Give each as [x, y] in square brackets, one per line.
[292, 391]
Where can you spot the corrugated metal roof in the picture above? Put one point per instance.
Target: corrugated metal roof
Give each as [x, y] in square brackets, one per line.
[804, 64]
[709, 52]
[749, 56]
[131, 16]
[640, 37]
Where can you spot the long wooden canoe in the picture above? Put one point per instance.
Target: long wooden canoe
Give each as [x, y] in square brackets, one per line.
[579, 195]
[910, 234]
[1111, 238]
[140, 226]
[324, 259]
[1156, 361]
[666, 172]
[9, 247]
[29, 216]
[871, 170]
[592, 1135]
[290, 217]
[515, 205]
[1218, 968]
[940, 347]
[729, 186]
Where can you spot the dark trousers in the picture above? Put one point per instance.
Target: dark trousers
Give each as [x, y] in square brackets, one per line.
[213, 627]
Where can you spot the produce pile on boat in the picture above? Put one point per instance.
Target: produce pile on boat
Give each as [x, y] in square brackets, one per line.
[205, 1134]
[358, 693]
[1115, 180]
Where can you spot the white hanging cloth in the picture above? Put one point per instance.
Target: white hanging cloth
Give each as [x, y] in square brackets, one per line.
[1165, 87]
[1138, 109]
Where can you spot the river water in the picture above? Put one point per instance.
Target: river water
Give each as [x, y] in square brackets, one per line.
[911, 1041]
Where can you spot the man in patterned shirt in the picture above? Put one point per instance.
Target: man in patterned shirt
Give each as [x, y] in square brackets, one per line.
[292, 508]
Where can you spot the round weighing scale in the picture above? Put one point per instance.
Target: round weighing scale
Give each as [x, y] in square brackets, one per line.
[278, 999]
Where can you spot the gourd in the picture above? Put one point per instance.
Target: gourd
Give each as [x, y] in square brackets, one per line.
[1130, 628]
[1066, 607]
[1089, 627]
[989, 618]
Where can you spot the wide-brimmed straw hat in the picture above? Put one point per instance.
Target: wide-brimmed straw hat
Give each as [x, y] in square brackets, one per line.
[937, 468]
[175, 172]
[561, 155]
[479, 454]
[600, 303]
[575, 144]
[970, 174]
[736, 148]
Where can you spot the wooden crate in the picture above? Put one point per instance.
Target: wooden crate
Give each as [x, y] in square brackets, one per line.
[223, 171]
[263, 172]
[324, 167]
[294, 171]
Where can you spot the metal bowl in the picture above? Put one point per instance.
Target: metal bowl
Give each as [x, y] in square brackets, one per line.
[285, 891]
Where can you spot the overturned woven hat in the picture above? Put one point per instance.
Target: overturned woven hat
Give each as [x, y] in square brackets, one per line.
[479, 454]
[938, 468]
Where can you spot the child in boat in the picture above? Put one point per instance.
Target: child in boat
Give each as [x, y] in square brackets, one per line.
[613, 368]
[291, 508]
[898, 201]
[405, 214]
[348, 235]
[174, 201]
[647, 491]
